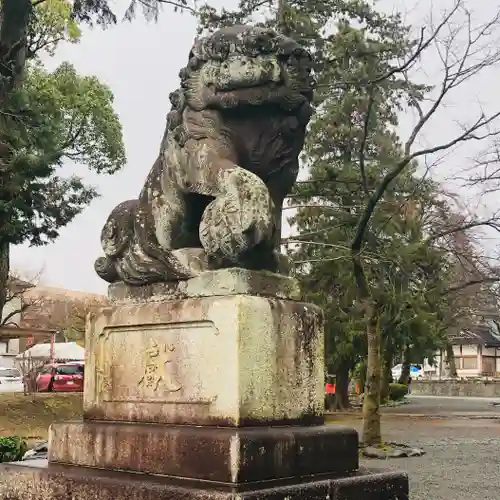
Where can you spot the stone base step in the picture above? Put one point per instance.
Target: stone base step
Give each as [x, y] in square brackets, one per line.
[224, 455]
[54, 482]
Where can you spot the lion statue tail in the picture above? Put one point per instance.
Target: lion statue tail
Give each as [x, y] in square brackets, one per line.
[131, 255]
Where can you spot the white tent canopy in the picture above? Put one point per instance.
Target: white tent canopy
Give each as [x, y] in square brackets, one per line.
[67, 351]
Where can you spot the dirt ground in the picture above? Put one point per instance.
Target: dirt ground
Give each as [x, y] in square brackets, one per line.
[462, 460]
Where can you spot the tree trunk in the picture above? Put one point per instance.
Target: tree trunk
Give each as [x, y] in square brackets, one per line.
[404, 378]
[450, 361]
[4, 276]
[386, 371]
[14, 19]
[371, 434]
[342, 386]
[362, 377]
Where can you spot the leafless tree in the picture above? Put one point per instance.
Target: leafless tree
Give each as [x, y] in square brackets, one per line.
[16, 301]
[465, 50]
[30, 369]
[61, 310]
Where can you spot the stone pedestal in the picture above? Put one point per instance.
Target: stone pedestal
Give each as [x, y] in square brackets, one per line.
[233, 360]
[210, 388]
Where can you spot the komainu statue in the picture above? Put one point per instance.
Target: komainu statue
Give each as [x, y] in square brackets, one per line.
[229, 156]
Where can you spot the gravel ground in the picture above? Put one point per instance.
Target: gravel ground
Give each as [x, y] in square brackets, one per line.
[462, 460]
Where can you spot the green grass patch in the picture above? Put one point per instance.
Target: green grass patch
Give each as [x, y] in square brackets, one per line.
[30, 417]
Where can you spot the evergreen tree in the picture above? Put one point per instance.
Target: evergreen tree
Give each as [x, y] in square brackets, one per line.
[356, 116]
[366, 89]
[363, 58]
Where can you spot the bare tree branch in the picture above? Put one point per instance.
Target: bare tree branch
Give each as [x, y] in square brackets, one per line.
[15, 298]
[150, 4]
[455, 71]
[463, 286]
[492, 223]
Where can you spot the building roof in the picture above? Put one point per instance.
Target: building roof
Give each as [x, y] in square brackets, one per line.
[485, 335]
[14, 332]
[67, 351]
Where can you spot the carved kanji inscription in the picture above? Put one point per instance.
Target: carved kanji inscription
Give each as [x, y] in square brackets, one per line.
[157, 359]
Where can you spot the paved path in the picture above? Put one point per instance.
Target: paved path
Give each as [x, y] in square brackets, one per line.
[462, 460]
[448, 406]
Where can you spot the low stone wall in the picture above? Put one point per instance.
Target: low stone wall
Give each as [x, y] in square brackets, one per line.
[464, 388]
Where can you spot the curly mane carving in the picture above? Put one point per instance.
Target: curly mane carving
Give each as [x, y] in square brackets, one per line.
[228, 158]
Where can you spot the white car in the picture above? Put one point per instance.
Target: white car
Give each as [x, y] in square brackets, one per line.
[416, 372]
[11, 380]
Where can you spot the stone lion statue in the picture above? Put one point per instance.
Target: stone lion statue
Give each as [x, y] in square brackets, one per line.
[229, 156]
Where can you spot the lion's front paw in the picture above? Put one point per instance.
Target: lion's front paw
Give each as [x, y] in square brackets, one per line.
[238, 221]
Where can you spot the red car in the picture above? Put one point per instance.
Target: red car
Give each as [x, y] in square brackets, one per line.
[61, 377]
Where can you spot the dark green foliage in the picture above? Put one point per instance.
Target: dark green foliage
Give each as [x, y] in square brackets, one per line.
[12, 448]
[89, 11]
[104, 13]
[397, 392]
[47, 119]
[54, 117]
[332, 199]
[51, 118]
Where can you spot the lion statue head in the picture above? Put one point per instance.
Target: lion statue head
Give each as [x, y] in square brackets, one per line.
[241, 66]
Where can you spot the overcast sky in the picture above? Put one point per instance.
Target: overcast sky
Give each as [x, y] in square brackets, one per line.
[140, 62]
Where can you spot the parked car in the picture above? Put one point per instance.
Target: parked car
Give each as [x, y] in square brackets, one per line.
[11, 380]
[61, 377]
[416, 372]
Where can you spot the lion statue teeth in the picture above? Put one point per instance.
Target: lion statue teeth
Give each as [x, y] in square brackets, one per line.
[229, 156]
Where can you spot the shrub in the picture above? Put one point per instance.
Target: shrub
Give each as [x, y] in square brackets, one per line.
[12, 448]
[397, 392]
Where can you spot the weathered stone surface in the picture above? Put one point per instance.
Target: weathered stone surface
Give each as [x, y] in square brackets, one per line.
[231, 361]
[480, 388]
[234, 281]
[369, 484]
[226, 455]
[18, 482]
[229, 156]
